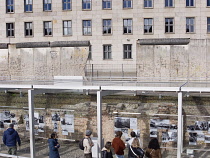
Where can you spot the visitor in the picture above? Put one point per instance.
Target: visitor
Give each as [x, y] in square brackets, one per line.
[153, 150]
[88, 144]
[106, 151]
[10, 139]
[118, 145]
[53, 146]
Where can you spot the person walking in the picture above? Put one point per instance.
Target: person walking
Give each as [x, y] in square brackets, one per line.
[10, 139]
[53, 146]
[153, 150]
[106, 151]
[118, 145]
[88, 144]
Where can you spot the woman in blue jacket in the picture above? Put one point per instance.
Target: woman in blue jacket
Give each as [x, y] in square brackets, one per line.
[53, 146]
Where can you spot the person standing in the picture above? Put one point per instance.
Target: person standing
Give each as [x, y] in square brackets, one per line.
[106, 151]
[133, 149]
[88, 144]
[118, 145]
[136, 144]
[53, 146]
[10, 139]
[153, 150]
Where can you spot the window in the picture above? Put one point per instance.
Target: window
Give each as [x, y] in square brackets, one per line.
[148, 25]
[67, 29]
[190, 25]
[127, 51]
[107, 26]
[148, 3]
[107, 51]
[90, 53]
[47, 5]
[10, 6]
[107, 4]
[169, 3]
[190, 3]
[127, 26]
[127, 3]
[48, 28]
[66, 4]
[86, 4]
[208, 3]
[87, 27]
[10, 29]
[28, 29]
[208, 25]
[28, 5]
[169, 25]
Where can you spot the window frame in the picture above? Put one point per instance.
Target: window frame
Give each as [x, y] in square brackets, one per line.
[87, 27]
[48, 35]
[11, 6]
[127, 27]
[190, 1]
[66, 5]
[169, 25]
[28, 6]
[147, 2]
[67, 28]
[86, 2]
[107, 51]
[10, 30]
[105, 29]
[148, 25]
[169, 6]
[127, 54]
[25, 29]
[187, 25]
[126, 3]
[49, 6]
[106, 1]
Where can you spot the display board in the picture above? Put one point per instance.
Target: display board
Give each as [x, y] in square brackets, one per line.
[6, 118]
[165, 128]
[126, 124]
[199, 132]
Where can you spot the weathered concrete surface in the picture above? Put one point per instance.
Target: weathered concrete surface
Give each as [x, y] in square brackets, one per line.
[42, 63]
[174, 62]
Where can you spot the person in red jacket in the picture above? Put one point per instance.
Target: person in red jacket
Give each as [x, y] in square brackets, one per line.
[118, 145]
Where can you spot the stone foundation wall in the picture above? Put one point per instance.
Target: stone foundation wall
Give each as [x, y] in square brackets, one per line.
[86, 116]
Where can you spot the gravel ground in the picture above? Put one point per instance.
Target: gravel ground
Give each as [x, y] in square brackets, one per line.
[71, 150]
[67, 149]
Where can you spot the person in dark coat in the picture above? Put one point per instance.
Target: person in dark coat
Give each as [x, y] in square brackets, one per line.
[106, 151]
[10, 139]
[53, 146]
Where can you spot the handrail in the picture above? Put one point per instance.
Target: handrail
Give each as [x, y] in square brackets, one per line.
[12, 156]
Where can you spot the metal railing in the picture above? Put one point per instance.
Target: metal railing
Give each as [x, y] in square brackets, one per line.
[11, 156]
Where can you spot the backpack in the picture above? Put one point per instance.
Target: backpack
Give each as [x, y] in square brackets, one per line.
[81, 144]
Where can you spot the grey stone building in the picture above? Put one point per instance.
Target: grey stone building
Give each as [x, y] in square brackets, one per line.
[160, 40]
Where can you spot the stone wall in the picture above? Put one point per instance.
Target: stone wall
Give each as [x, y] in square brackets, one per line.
[86, 117]
[44, 60]
[178, 61]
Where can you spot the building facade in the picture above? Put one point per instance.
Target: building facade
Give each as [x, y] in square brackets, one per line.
[120, 32]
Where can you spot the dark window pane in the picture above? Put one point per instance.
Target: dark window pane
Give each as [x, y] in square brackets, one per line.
[208, 2]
